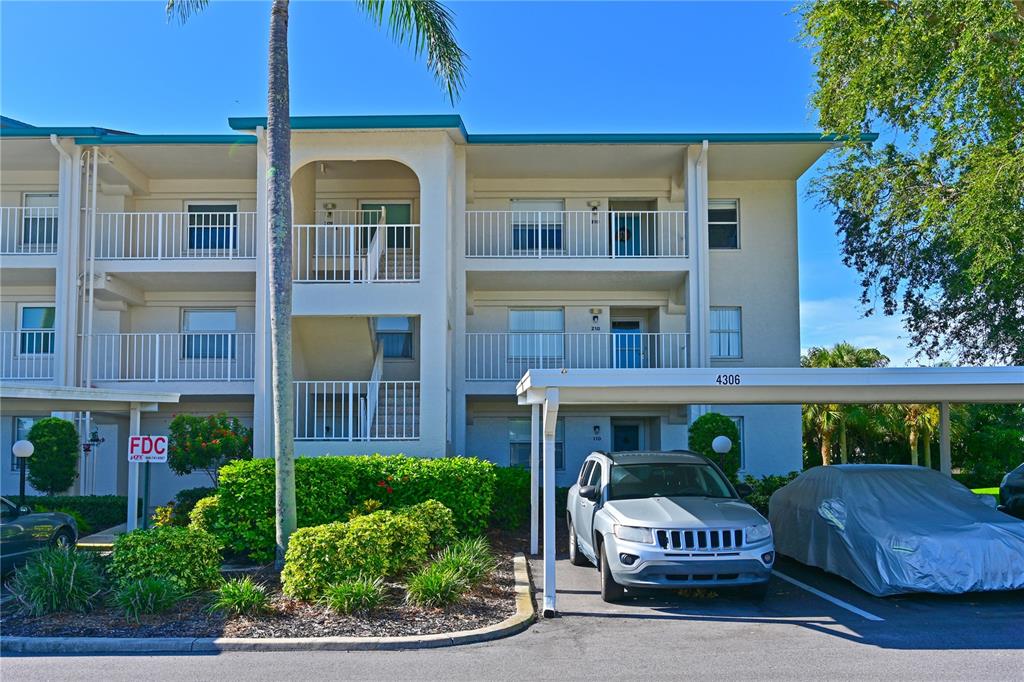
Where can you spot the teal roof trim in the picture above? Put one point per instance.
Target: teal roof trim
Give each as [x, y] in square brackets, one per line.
[658, 138]
[357, 122]
[59, 131]
[166, 139]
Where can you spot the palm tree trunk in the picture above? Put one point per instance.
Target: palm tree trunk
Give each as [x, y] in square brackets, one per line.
[844, 455]
[912, 438]
[280, 216]
[826, 447]
[928, 451]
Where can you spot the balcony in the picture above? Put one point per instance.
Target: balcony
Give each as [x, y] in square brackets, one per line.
[172, 356]
[28, 231]
[356, 253]
[357, 410]
[27, 355]
[504, 356]
[175, 236]
[576, 234]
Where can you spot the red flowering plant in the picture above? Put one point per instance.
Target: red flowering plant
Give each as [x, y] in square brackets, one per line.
[197, 443]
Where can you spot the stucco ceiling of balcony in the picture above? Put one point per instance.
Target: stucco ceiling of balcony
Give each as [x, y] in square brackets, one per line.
[363, 170]
[29, 154]
[190, 161]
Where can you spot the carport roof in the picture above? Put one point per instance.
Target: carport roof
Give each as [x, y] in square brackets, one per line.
[72, 399]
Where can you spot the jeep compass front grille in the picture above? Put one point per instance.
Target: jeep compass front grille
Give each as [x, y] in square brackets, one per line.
[704, 539]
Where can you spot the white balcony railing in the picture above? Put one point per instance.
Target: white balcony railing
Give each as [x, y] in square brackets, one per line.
[175, 236]
[28, 230]
[173, 356]
[356, 253]
[576, 234]
[337, 410]
[505, 356]
[27, 355]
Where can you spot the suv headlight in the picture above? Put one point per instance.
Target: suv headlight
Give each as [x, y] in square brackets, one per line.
[634, 534]
[759, 532]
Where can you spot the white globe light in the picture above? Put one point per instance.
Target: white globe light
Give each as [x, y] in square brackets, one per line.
[721, 444]
[23, 448]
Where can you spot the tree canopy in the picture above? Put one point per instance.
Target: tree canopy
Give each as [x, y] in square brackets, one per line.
[932, 221]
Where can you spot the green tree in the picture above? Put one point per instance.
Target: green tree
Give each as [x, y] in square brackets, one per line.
[705, 429]
[197, 443]
[933, 222]
[915, 421]
[52, 468]
[988, 440]
[426, 25]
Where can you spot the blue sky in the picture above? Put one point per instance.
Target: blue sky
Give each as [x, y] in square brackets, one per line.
[534, 66]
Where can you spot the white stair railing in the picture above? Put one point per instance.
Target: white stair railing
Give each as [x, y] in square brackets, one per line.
[355, 253]
[339, 410]
[373, 391]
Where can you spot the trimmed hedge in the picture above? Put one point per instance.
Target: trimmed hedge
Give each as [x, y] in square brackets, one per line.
[187, 557]
[513, 491]
[328, 488]
[99, 511]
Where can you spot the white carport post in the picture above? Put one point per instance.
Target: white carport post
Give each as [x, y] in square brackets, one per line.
[550, 426]
[534, 475]
[945, 450]
[134, 426]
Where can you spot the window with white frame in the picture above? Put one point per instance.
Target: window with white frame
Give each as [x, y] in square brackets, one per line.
[724, 223]
[395, 336]
[39, 225]
[35, 329]
[22, 425]
[208, 334]
[212, 227]
[726, 332]
[519, 443]
[537, 225]
[535, 337]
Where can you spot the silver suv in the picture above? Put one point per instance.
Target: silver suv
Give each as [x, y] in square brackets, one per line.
[665, 520]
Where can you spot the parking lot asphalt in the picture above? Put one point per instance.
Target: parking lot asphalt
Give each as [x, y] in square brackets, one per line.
[793, 634]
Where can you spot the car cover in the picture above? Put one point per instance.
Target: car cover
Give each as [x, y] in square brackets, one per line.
[892, 529]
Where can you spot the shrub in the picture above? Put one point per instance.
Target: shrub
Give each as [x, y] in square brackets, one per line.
[58, 580]
[437, 519]
[204, 515]
[328, 488]
[98, 511]
[705, 429]
[362, 594]
[164, 516]
[146, 595]
[206, 443]
[52, 467]
[436, 585]
[471, 558]
[513, 487]
[178, 511]
[763, 489]
[83, 526]
[366, 507]
[376, 545]
[241, 596]
[187, 557]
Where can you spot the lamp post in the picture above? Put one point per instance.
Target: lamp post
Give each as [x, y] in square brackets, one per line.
[22, 449]
[721, 445]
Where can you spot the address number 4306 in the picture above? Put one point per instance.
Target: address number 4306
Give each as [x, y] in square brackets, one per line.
[728, 380]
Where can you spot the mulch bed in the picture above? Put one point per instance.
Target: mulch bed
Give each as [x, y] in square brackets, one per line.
[490, 603]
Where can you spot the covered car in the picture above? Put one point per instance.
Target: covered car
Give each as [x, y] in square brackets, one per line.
[1011, 493]
[894, 529]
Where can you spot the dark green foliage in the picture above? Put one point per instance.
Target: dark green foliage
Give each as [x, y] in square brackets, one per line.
[437, 519]
[705, 429]
[52, 468]
[178, 511]
[470, 558]
[57, 580]
[763, 489]
[98, 511]
[511, 510]
[241, 596]
[436, 585]
[988, 441]
[147, 595]
[207, 443]
[187, 557]
[356, 595]
[328, 488]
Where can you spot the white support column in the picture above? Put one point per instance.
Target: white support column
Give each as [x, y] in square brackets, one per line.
[550, 426]
[134, 427]
[945, 449]
[534, 475]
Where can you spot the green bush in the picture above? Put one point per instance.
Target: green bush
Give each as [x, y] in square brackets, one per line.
[471, 558]
[513, 489]
[436, 585]
[357, 595]
[437, 519]
[207, 443]
[83, 526]
[328, 488]
[147, 595]
[98, 511]
[381, 544]
[187, 557]
[177, 512]
[241, 596]
[205, 514]
[705, 429]
[58, 580]
[52, 468]
[764, 487]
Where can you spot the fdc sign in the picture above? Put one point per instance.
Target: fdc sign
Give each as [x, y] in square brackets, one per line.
[147, 448]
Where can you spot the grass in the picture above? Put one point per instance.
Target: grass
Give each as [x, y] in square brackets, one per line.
[58, 580]
[986, 491]
[360, 595]
[241, 596]
[435, 586]
[147, 595]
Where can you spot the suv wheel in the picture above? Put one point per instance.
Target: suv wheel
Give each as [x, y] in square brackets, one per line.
[611, 591]
[576, 558]
[64, 539]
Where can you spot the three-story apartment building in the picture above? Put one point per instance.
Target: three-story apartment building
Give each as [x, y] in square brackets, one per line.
[431, 268]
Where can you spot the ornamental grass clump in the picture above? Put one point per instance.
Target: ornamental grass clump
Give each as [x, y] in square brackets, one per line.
[147, 595]
[59, 579]
[357, 595]
[470, 558]
[436, 586]
[241, 596]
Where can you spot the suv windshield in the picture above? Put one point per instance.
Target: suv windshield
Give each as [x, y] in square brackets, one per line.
[666, 480]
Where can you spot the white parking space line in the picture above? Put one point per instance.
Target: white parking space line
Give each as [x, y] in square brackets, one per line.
[828, 597]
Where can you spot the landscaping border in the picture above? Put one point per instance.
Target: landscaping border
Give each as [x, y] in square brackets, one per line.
[524, 616]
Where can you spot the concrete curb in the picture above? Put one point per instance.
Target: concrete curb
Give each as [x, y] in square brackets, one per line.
[524, 616]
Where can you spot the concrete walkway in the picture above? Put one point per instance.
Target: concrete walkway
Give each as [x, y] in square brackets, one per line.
[104, 539]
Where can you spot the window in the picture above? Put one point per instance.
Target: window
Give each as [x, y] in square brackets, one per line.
[726, 336]
[395, 336]
[39, 227]
[35, 327]
[208, 334]
[738, 421]
[535, 337]
[585, 472]
[724, 224]
[212, 227]
[537, 226]
[22, 425]
[519, 443]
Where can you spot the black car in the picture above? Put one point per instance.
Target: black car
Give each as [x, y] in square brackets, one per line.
[1011, 493]
[24, 532]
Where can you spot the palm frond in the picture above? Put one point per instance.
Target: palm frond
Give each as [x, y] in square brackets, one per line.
[183, 9]
[428, 26]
